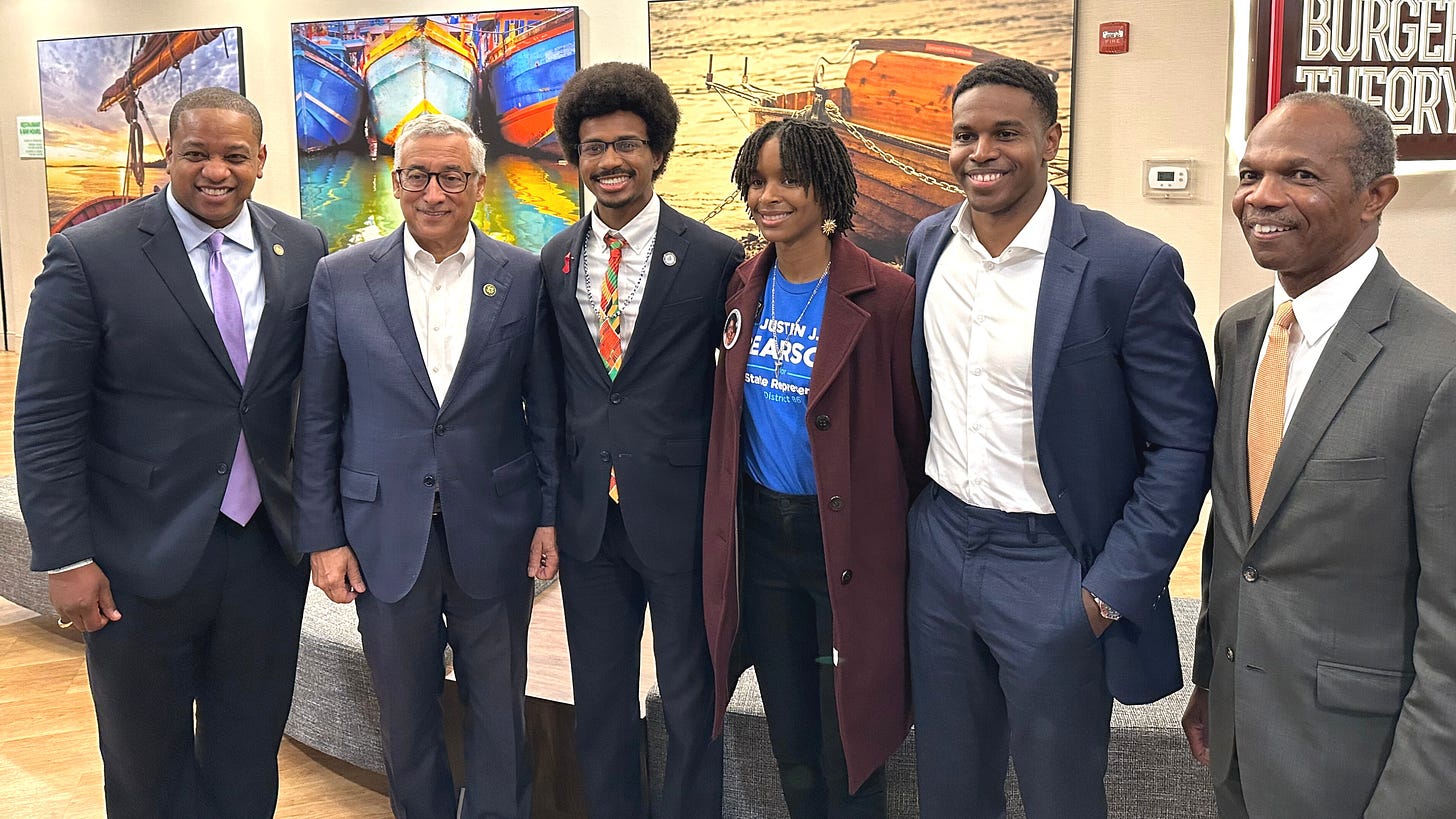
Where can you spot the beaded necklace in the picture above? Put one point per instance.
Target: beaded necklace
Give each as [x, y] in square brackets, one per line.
[631, 297]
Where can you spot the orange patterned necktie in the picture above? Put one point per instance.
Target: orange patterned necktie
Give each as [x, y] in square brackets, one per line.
[610, 345]
[1266, 408]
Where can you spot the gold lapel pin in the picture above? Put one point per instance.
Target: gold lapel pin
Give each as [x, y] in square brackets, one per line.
[277, 250]
[488, 290]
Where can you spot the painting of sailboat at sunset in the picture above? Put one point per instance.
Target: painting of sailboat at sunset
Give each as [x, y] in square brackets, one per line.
[879, 72]
[106, 101]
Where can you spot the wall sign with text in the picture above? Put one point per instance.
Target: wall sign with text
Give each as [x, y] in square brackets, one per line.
[1398, 55]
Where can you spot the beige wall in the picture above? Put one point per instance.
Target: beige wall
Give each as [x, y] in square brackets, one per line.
[1167, 98]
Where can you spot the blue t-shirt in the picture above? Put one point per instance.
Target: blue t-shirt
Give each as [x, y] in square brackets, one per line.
[776, 439]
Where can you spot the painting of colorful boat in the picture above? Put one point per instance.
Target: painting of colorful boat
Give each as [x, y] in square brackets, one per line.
[328, 96]
[526, 58]
[892, 110]
[420, 67]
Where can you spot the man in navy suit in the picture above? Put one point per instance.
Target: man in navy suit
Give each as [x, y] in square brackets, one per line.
[636, 291]
[1071, 413]
[152, 415]
[426, 490]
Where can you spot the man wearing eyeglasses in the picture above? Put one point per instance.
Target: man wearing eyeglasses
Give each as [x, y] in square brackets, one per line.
[426, 471]
[636, 292]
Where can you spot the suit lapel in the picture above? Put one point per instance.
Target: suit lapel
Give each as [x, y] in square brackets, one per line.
[1248, 339]
[386, 284]
[669, 244]
[271, 261]
[490, 269]
[939, 236]
[1061, 278]
[574, 331]
[163, 248]
[1346, 356]
[746, 296]
[843, 321]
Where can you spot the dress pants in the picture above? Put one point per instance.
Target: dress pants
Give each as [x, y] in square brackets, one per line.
[226, 646]
[604, 600]
[788, 627]
[404, 643]
[1002, 657]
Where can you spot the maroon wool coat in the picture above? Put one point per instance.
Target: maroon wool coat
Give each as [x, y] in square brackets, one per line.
[867, 436]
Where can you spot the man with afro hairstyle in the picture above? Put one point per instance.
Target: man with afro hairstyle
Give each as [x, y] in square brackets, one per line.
[636, 293]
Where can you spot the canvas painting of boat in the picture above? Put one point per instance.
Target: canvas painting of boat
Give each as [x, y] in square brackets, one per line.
[106, 101]
[358, 82]
[880, 73]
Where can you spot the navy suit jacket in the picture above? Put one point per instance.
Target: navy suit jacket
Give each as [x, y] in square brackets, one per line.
[127, 408]
[375, 444]
[1123, 413]
[651, 423]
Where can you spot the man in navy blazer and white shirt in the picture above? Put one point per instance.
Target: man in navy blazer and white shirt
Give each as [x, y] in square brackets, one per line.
[426, 490]
[1071, 413]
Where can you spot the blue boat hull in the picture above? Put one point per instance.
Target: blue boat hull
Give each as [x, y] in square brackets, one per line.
[328, 98]
[525, 86]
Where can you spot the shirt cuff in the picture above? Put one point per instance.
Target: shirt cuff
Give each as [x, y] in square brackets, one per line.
[87, 562]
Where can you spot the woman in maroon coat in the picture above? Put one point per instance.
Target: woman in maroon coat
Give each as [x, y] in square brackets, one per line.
[817, 446]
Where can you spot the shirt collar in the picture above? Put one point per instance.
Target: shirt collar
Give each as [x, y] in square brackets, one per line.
[194, 231]
[638, 231]
[1035, 236]
[1319, 308]
[465, 253]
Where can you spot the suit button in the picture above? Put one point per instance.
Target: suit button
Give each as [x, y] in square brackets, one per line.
[606, 457]
[615, 398]
[1251, 574]
[846, 577]
[245, 408]
[222, 469]
[821, 422]
[836, 503]
[439, 429]
[429, 480]
[1229, 653]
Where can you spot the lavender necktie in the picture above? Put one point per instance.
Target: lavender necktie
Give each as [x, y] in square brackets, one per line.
[241, 499]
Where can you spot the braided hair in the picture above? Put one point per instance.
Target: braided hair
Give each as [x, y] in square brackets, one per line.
[809, 151]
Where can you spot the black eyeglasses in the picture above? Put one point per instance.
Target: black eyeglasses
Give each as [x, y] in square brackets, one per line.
[626, 145]
[415, 180]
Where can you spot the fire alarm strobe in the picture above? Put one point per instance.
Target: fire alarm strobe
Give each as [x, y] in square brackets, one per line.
[1113, 38]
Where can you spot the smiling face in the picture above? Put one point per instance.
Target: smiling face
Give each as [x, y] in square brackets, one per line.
[621, 183]
[1297, 201]
[439, 221]
[214, 157]
[999, 150]
[784, 208]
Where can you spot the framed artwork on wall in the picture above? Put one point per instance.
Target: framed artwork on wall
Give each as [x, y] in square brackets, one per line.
[357, 82]
[105, 102]
[881, 72]
[1399, 57]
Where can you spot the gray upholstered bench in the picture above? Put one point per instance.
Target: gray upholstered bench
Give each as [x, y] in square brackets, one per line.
[1150, 774]
[18, 583]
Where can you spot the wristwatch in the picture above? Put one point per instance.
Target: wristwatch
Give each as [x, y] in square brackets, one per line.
[1107, 612]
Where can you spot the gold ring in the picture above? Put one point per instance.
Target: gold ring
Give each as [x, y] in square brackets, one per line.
[64, 623]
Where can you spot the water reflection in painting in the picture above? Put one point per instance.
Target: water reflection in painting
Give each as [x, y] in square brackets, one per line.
[356, 82]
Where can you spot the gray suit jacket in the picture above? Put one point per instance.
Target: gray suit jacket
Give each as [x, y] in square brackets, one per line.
[375, 445]
[1326, 637]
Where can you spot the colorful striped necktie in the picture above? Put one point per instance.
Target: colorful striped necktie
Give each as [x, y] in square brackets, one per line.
[241, 497]
[1266, 407]
[610, 345]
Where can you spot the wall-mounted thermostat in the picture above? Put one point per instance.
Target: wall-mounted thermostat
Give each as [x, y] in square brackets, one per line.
[1168, 178]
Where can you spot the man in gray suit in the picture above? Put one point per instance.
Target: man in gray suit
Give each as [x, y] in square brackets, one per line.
[1325, 665]
[426, 481]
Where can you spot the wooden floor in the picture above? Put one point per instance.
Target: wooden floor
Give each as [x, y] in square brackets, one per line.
[49, 764]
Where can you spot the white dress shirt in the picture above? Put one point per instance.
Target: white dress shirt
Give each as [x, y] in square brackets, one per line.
[980, 320]
[631, 273]
[439, 301]
[239, 253]
[1316, 312]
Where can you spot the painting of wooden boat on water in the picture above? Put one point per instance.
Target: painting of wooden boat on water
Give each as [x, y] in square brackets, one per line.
[880, 73]
[358, 82]
[106, 101]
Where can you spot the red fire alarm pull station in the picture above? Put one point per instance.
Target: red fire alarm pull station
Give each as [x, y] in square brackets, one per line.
[1112, 38]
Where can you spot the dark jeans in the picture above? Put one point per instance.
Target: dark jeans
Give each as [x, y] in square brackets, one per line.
[789, 631]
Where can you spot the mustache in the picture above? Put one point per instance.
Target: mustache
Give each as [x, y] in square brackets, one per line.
[1264, 216]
